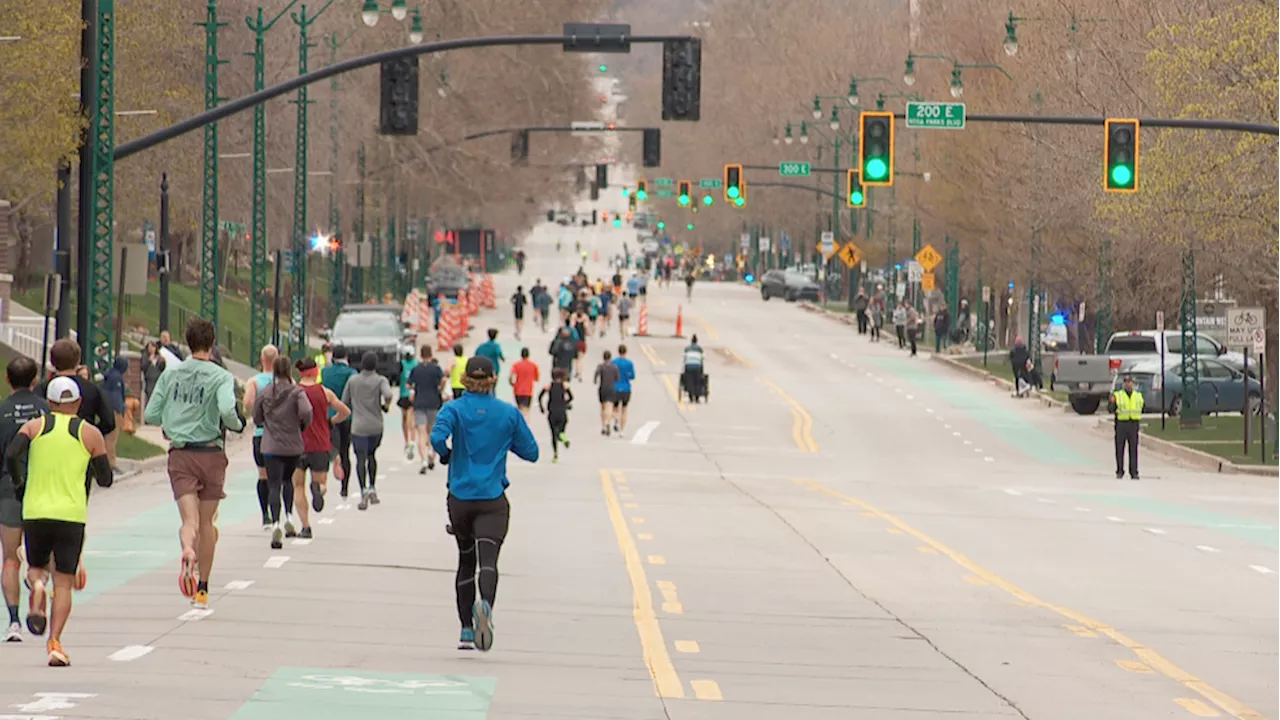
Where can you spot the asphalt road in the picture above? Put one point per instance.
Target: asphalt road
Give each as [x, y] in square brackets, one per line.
[841, 532]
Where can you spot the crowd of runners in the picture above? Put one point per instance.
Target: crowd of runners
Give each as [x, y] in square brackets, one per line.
[307, 419]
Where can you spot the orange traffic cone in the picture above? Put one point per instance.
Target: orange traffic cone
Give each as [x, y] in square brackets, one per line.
[679, 321]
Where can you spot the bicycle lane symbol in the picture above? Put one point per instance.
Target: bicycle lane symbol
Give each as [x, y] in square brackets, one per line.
[343, 693]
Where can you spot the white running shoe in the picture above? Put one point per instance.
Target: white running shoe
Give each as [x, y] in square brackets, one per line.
[13, 634]
[289, 529]
[408, 451]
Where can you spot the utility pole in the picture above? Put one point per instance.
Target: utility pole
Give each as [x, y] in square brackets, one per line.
[209, 201]
[390, 271]
[298, 319]
[375, 250]
[258, 325]
[97, 180]
[163, 252]
[62, 250]
[914, 289]
[1033, 297]
[336, 285]
[1189, 414]
[359, 226]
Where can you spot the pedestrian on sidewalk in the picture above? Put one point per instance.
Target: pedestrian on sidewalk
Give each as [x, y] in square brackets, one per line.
[875, 319]
[1019, 359]
[113, 391]
[152, 366]
[1127, 406]
[900, 323]
[860, 306]
[473, 436]
[941, 328]
[913, 327]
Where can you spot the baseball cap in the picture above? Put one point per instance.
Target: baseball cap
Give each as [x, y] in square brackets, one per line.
[62, 390]
[479, 368]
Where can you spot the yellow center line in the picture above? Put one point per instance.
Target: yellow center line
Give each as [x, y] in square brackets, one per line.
[745, 362]
[1150, 657]
[652, 355]
[666, 683]
[802, 431]
[710, 332]
[675, 393]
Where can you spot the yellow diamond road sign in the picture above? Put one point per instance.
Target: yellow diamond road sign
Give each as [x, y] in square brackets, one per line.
[850, 255]
[928, 257]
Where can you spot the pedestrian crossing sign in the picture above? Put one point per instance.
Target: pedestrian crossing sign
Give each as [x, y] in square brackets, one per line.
[850, 254]
[928, 257]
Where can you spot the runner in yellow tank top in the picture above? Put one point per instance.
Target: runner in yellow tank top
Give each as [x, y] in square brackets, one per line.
[61, 453]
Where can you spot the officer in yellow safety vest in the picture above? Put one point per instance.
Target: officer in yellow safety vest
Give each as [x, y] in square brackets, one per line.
[1127, 406]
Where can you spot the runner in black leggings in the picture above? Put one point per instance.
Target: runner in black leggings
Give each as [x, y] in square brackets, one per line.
[483, 429]
[559, 398]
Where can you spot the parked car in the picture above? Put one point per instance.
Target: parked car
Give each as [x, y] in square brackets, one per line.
[789, 285]
[1147, 342]
[1221, 389]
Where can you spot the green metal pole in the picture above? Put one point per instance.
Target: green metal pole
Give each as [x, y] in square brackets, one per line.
[1189, 415]
[209, 233]
[1033, 296]
[102, 127]
[336, 285]
[375, 249]
[358, 288]
[391, 243]
[916, 240]
[1104, 324]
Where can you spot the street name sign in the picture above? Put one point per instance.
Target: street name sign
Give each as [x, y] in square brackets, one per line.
[935, 115]
[1246, 328]
[793, 169]
[663, 182]
[711, 183]
[928, 258]
[586, 125]
[665, 193]
[828, 245]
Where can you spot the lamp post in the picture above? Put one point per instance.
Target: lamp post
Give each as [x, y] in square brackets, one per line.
[1011, 29]
[957, 83]
[209, 233]
[258, 321]
[97, 179]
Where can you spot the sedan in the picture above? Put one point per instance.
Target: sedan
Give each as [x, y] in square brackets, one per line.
[788, 284]
[1221, 389]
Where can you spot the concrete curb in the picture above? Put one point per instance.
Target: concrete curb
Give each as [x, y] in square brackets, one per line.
[1195, 458]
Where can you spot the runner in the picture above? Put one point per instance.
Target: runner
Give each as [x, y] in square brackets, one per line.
[369, 396]
[606, 303]
[492, 350]
[195, 403]
[252, 389]
[563, 350]
[541, 304]
[456, 371]
[524, 375]
[555, 401]
[624, 313]
[407, 364]
[483, 430]
[518, 302]
[622, 389]
[317, 442]
[285, 413]
[580, 322]
[689, 279]
[334, 377]
[15, 411]
[427, 382]
[61, 452]
[606, 376]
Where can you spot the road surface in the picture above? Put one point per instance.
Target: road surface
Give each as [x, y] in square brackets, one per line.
[842, 532]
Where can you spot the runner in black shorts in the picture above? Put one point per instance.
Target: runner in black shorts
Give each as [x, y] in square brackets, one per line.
[606, 376]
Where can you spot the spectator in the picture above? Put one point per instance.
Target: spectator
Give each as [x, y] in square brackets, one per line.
[113, 392]
[166, 343]
[941, 328]
[152, 365]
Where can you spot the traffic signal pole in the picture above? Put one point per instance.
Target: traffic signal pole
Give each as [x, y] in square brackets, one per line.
[209, 186]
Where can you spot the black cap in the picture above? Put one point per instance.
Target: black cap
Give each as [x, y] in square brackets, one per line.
[479, 368]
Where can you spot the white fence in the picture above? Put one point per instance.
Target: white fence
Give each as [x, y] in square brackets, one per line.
[25, 335]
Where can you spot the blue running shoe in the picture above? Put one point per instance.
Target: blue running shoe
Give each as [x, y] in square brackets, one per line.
[468, 640]
[483, 614]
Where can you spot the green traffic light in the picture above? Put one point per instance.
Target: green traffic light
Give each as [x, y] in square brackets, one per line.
[734, 192]
[707, 200]
[855, 197]
[662, 225]
[617, 222]
[740, 202]
[1121, 175]
[626, 192]
[689, 226]
[877, 168]
[641, 195]
[684, 200]
[604, 68]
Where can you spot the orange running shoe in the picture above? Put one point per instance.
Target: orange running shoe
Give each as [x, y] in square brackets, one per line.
[57, 656]
[187, 576]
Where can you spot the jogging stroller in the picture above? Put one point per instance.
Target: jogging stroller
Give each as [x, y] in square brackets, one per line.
[696, 385]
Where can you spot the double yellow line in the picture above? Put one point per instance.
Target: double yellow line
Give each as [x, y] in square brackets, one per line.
[1147, 657]
[802, 427]
[652, 355]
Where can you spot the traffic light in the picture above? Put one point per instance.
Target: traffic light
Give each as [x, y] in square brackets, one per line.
[682, 79]
[631, 202]
[594, 217]
[1121, 155]
[602, 176]
[642, 190]
[735, 188]
[683, 195]
[875, 145]
[520, 147]
[617, 221]
[652, 146]
[689, 226]
[857, 195]
[604, 68]
[662, 225]
[708, 199]
[398, 106]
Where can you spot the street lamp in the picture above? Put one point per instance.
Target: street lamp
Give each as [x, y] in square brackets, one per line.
[399, 9]
[957, 85]
[835, 118]
[369, 13]
[853, 91]
[804, 133]
[1011, 35]
[788, 137]
[817, 108]
[908, 75]
[415, 30]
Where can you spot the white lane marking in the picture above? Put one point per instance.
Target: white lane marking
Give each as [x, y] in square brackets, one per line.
[1113, 518]
[835, 356]
[1262, 569]
[977, 450]
[1047, 501]
[911, 397]
[276, 561]
[382, 476]
[1207, 548]
[966, 442]
[946, 427]
[989, 459]
[344, 506]
[1154, 531]
[955, 433]
[928, 410]
[302, 542]
[238, 585]
[898, 390]
[325, 521]
[1011, 491]
[195, 614]
[1083, 509]
[130, 652]
[645, 432]
[121, 553]
[49, 701]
